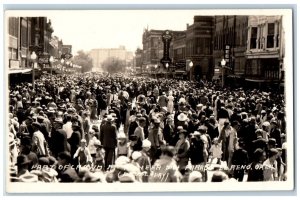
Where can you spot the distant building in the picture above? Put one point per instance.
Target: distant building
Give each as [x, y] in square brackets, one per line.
[100, 55]
[138, 60]
[152, 48]
[199, 47]
[265, 50]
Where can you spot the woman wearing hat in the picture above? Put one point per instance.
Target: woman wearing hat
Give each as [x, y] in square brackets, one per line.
[182, 151]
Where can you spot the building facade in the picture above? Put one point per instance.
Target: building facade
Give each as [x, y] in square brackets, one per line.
[138, 60]
[152, 49]
[231, 34]
[265, 50]
[100, 55]
[25, 35]
[199, 47]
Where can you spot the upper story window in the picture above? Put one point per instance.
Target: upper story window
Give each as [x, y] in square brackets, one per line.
[253, 38]
[13, 24]
[270, 37]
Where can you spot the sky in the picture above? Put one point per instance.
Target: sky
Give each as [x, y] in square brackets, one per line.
[88, 30]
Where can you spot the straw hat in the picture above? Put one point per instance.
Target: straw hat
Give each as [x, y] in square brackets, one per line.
[122, 135]
[182, 117]
[195, 176]
[146, 143]
[136, 155]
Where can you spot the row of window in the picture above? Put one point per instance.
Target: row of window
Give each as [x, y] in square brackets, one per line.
[258, 39]
[235, 37]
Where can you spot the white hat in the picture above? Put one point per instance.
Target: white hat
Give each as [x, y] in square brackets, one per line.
[266, 124]
[182, 117]
[121, 135]
[146, 143]
[122, 160]
[97, 142]
[109, 118]
[200, 105]
[194, 175]
[135, 155]
[165, 109]
[28, 178]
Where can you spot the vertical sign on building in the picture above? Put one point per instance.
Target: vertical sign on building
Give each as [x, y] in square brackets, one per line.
[166, 38]
[227, 56]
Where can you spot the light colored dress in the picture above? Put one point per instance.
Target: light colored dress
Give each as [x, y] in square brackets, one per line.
[170, 105]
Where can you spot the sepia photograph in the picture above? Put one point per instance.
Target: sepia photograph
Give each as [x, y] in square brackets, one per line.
[149, 100]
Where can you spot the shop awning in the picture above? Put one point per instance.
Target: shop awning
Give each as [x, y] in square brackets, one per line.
[18, 71]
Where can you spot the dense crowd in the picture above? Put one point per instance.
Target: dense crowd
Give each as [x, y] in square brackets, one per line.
[98, 127]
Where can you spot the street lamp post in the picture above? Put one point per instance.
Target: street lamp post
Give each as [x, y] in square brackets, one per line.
[223, 64]
[191, 64]
[33, 57]
[155, 66]
[167, 66]
[51, 59]
[62, 64]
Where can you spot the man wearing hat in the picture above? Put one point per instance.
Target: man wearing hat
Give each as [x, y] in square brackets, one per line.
[58, 141]
[270, 166]
[182, 121]
[66, 173]
[74, 140]
[163, 100]
[39, 143]
[133, 123]
[144, 160]
[260, 142]
[43, 127]
[275, 132]
[139, 131]
[239, 159]
[108, 138]
[156, 138]
[23, 170]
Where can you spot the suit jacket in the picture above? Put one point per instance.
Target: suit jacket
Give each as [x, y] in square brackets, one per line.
[163, 101]
[58, 142]
[108, 135]
[139, 132]
[74, 141]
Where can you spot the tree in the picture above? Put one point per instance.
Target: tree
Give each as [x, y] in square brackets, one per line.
[82, 59]
[114, 65]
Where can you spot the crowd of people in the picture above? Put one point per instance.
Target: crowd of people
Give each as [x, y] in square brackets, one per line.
[97, 127]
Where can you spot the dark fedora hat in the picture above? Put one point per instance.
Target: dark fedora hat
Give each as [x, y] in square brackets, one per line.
[22, 160]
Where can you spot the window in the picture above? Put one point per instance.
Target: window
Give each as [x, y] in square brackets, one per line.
[207, 46]
[13, 24]
[277, 36]
[24, 36]
[253, 38]
[270, 37]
